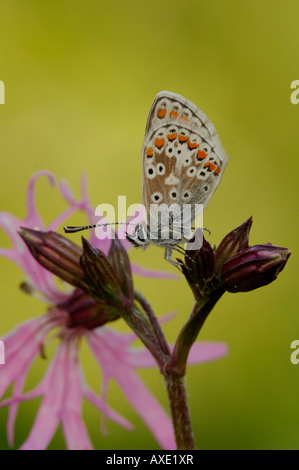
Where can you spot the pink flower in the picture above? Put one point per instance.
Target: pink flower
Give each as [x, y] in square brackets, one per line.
[63, 385]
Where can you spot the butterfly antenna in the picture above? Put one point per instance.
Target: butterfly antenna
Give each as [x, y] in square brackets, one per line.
[80, 228]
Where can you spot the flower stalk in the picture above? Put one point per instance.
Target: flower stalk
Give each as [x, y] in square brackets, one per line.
[190, 332]
[180, 413]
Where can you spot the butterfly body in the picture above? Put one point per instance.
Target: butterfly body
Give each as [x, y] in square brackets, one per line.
[183, 162]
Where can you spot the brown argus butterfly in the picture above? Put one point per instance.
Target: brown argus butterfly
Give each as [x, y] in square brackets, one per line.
[183, 162]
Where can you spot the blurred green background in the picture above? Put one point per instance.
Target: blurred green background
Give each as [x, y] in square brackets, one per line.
[80, 77]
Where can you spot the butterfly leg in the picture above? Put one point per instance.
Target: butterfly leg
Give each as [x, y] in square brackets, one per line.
[167, 257]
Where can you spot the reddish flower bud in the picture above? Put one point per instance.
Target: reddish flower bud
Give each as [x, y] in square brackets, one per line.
[233, 242]
[84, 311]
[253, 267]
[88, 269]
[56, 253]
[199, 268]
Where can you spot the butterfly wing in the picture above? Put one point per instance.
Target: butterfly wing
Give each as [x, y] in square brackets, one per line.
[183, 159]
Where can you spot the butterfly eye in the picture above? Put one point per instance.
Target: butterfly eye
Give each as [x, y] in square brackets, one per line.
[191, 171]
[151, 172]
[156, 197]
[160, 169]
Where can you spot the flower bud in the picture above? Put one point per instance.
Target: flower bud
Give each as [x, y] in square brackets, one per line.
[253, 267]
[104, 283]
[233, 242]
[56, 253]
[84, 311]
[120, 262]
[199, 267]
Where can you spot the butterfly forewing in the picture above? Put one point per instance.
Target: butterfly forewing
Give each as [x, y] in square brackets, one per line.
[183, 159]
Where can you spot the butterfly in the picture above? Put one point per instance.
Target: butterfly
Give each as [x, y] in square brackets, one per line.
[183, 162]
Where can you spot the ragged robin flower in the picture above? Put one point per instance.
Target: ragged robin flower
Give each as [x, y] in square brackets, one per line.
[101, 292]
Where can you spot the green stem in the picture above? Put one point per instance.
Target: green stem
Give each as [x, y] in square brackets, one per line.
[179, 411]
[176, 369]
[189, 332]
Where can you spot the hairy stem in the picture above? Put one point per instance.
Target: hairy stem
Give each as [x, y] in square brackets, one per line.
[189, 333]
[154, 322]
[179, 411]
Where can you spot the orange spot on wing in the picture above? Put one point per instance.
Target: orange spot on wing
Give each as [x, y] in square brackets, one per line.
[183, 138]
[161, 113]
[184, 118]
[210, 165]
[159, 142]
[149, 152]
[217, 171]
[192, 145]
[201, 155]
[172, 136]
[173, 114]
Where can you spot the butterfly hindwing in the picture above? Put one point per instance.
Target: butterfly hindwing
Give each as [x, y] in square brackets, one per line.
[183, 159]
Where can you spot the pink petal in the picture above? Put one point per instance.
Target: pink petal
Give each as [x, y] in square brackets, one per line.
[33, 219]
[199, 353]
[13, 410]
[147, 407]
[74, 428]
[49, 412]
[36, 392]
[105, 409]
[21, 346]
[205, 351]
[112, 357]
[75, 431]
[83, 205]
[41, 279]
[140, 271]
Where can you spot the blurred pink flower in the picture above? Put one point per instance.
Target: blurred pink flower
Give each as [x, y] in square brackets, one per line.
[63, 385]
